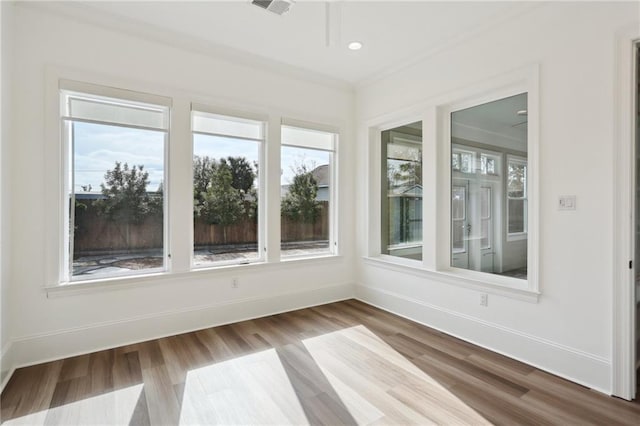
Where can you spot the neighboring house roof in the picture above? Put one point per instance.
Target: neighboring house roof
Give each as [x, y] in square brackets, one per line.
[321, 175]
[406, 191]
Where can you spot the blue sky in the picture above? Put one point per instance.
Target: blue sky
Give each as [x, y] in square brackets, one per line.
[97, 147]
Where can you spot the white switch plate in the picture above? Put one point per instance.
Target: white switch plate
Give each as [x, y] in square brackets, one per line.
[567, 202]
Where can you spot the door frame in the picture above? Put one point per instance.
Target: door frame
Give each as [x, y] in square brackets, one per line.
[623, 374]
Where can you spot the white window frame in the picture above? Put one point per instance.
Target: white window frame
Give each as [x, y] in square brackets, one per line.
[333, 184]
[436, 122]
[460, 152]
[80, 89]
[516, 236]
[262, 202]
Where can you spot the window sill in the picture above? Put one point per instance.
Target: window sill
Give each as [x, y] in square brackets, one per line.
[503, 286]
[517, 236]
[167, 278]
[305, 257]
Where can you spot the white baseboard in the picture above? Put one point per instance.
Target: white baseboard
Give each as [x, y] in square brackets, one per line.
[572, 364]
[6, 364]
[36, 349]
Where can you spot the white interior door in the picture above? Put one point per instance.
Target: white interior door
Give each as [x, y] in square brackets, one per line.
[473, 225]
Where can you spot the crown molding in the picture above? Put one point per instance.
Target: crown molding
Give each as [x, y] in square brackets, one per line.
[513, 12]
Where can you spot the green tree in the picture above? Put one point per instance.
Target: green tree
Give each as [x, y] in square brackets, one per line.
[126, 200]
[222, 203]
[125, 191]
[203, 168]
[300, 204]
[242, 172]
[206, 175]
[408, 173]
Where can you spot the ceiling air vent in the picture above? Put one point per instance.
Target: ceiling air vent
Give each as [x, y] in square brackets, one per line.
[279, 7]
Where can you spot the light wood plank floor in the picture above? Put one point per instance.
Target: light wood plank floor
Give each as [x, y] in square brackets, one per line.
[342, 363]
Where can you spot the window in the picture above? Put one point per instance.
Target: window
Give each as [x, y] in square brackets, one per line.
[487, 165]
[115, 216]
[306, 188]
[489, 203]
[463, 161]
[402, 191]
[111, 185]
[468, 214]
[517, 196]
[226, 189]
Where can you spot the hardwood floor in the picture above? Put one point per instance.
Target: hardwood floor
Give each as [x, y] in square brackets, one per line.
[342, 363]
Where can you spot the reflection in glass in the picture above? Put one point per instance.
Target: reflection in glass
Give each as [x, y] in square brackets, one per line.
[402, 191]
[489, 187]
[458, 211]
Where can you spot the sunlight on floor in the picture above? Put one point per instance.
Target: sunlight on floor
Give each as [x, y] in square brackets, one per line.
[253, 389]
[112, 408]
[350, 376]
[376, 383]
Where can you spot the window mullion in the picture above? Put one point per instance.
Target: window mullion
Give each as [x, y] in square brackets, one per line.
[179, 176]
[272, 186]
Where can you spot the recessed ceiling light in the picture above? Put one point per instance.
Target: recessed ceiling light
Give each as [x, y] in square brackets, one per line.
[355, 45]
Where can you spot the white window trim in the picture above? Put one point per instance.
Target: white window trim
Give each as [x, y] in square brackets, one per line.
[435, 116]
[64, 88]
[334, 247]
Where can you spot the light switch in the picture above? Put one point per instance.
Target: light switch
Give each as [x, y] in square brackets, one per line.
[567, 202]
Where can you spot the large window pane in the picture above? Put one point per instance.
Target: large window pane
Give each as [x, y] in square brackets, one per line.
[115, 180]
[489, 172]
[402, 191]
[306, 192]
[225, 188]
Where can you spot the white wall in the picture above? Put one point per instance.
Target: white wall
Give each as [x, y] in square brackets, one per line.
[53, 327]
[569, 330]
[6, 13]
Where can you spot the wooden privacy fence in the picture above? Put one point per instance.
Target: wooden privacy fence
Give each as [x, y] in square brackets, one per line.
[94, 233]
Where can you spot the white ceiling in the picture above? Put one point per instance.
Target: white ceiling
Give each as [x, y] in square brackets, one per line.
[394, 33]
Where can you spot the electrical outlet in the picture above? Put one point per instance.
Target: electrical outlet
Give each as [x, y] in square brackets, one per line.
[484, 299]
[234, 282]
